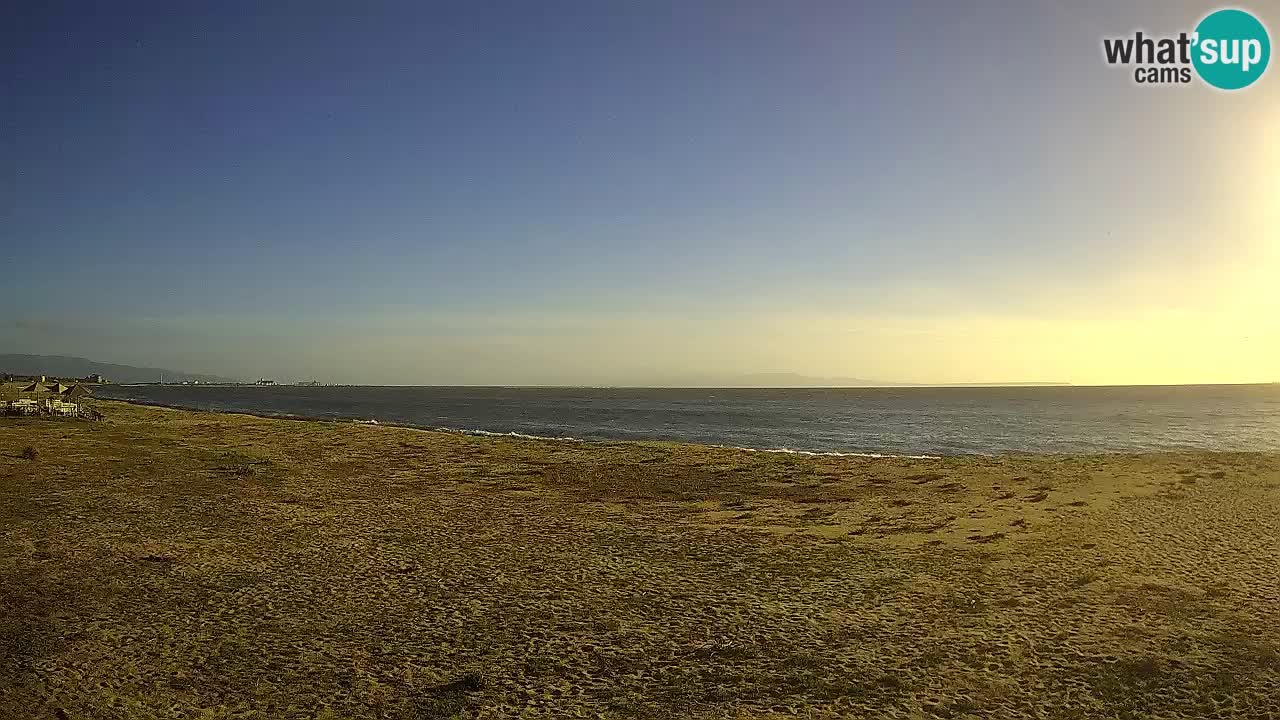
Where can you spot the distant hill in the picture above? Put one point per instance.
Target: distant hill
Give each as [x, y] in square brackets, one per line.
[77, 367]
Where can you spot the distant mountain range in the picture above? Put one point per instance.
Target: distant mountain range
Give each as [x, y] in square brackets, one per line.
[78, 367]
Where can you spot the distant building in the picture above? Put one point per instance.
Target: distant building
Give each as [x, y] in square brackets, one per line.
[95, 378]
[265, 381]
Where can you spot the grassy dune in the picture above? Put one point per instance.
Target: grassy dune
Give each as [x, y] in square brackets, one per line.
[168, 564]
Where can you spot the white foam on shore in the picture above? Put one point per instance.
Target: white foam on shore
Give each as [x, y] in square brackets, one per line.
[789, 451]
[830, 453]
[512, 434]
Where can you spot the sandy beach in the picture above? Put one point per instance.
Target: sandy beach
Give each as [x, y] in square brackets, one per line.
[174, 564]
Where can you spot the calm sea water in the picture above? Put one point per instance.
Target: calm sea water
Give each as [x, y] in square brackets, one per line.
[899, 421]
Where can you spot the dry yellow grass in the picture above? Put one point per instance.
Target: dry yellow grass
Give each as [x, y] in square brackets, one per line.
[167, 564]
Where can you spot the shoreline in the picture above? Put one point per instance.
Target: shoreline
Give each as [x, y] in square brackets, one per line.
[519, 435]
[477, 432]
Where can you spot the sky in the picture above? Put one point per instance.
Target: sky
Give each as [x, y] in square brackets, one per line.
[633, 193]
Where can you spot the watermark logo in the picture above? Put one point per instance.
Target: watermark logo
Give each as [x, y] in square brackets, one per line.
[1229, 49]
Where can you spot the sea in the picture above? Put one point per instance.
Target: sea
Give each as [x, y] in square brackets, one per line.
[914, 421]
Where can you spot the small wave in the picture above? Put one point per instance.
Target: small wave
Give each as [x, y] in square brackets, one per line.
[830, 453]
[512, 434]
[469, 431]
[789, 451]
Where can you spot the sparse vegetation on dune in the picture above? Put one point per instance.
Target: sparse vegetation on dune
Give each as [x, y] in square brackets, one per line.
[165, 564]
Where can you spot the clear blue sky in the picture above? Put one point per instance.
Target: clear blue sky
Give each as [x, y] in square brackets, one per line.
[631, 192]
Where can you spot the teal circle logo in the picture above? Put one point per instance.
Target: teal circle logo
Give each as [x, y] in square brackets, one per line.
[1231, 49]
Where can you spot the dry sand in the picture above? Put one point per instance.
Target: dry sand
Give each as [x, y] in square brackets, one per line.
[168, 564]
